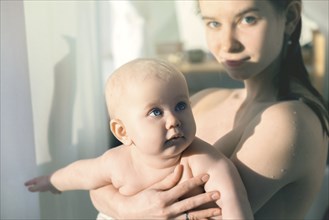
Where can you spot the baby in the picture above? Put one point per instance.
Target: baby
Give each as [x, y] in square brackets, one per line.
[149, 107]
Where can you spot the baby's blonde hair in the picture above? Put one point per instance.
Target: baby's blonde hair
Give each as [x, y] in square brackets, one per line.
[136, 71]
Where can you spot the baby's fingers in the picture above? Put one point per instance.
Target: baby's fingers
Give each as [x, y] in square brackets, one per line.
[30, 182]
[33, 189]
[32, 185]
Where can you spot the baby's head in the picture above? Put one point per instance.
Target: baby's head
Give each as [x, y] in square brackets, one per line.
[134, 74]
[148, 103]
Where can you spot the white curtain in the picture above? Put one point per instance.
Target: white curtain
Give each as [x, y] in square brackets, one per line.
[69, 114]
[17, 143]
[127, 33]
[191, 28]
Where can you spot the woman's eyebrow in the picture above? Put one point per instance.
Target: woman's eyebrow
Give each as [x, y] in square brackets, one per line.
[248, 10]
[239, 14]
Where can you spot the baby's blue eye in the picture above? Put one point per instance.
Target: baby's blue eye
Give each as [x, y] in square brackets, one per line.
[155, 112]
[181, 106]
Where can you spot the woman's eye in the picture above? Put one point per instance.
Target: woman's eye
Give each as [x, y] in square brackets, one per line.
[249, 20]
[181, 106]
[155, 112]
[213, 24]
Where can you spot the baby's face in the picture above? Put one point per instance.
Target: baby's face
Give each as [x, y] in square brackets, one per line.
[158, 116]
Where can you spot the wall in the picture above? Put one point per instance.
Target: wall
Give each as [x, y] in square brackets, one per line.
[317, 10]
[160, 23]
[17, 143]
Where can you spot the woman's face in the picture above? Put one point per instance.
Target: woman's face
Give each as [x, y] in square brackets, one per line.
[246, 36]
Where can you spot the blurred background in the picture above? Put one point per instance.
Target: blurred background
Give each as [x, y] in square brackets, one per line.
[55, 58]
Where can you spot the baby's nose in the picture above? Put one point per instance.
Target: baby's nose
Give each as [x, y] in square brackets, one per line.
[172, 121]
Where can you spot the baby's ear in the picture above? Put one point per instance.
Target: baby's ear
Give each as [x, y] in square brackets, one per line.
[119, 131]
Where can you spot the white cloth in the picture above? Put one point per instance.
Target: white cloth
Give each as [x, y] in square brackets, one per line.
[102, 216]
[128, 32]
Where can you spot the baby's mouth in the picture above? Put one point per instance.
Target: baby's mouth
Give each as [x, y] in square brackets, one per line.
[174, 138]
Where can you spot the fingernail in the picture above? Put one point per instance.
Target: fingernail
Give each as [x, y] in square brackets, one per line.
[216, 213]
[205, 178]
[215, 196]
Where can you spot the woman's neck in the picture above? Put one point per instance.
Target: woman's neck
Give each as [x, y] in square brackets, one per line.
[262, 87]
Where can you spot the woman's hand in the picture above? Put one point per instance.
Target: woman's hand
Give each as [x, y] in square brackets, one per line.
[159, 201]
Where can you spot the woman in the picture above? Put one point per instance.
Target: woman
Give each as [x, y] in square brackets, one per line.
[275, 130]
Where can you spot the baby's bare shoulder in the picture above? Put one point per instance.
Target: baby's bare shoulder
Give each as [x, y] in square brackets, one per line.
[201, 152]
[199, 146]
[116, 155]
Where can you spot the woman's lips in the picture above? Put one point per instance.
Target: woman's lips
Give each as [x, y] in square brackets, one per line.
[234, 63]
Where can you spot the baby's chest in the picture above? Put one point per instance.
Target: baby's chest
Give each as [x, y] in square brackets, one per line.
[130, 189]
[136, 180]
[188, 174]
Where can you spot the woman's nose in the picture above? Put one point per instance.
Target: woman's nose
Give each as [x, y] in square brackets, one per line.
[229, 41]
[172, 121]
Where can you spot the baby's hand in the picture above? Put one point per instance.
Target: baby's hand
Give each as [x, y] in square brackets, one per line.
[41, 184]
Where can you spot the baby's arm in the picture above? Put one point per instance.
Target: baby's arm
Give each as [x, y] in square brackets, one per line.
[224, 178]
[83, 174]
[80, 175]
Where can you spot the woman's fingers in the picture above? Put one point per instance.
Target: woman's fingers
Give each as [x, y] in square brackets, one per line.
[188, 185]
[211, 213]
[194, 202]
[166, 193]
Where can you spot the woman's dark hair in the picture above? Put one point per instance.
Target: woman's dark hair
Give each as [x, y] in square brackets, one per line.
[293, 68]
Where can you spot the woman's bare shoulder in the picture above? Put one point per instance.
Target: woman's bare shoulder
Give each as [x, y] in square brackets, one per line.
[282, 144]
[292, 120]
[284, 132]
[293, 115]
